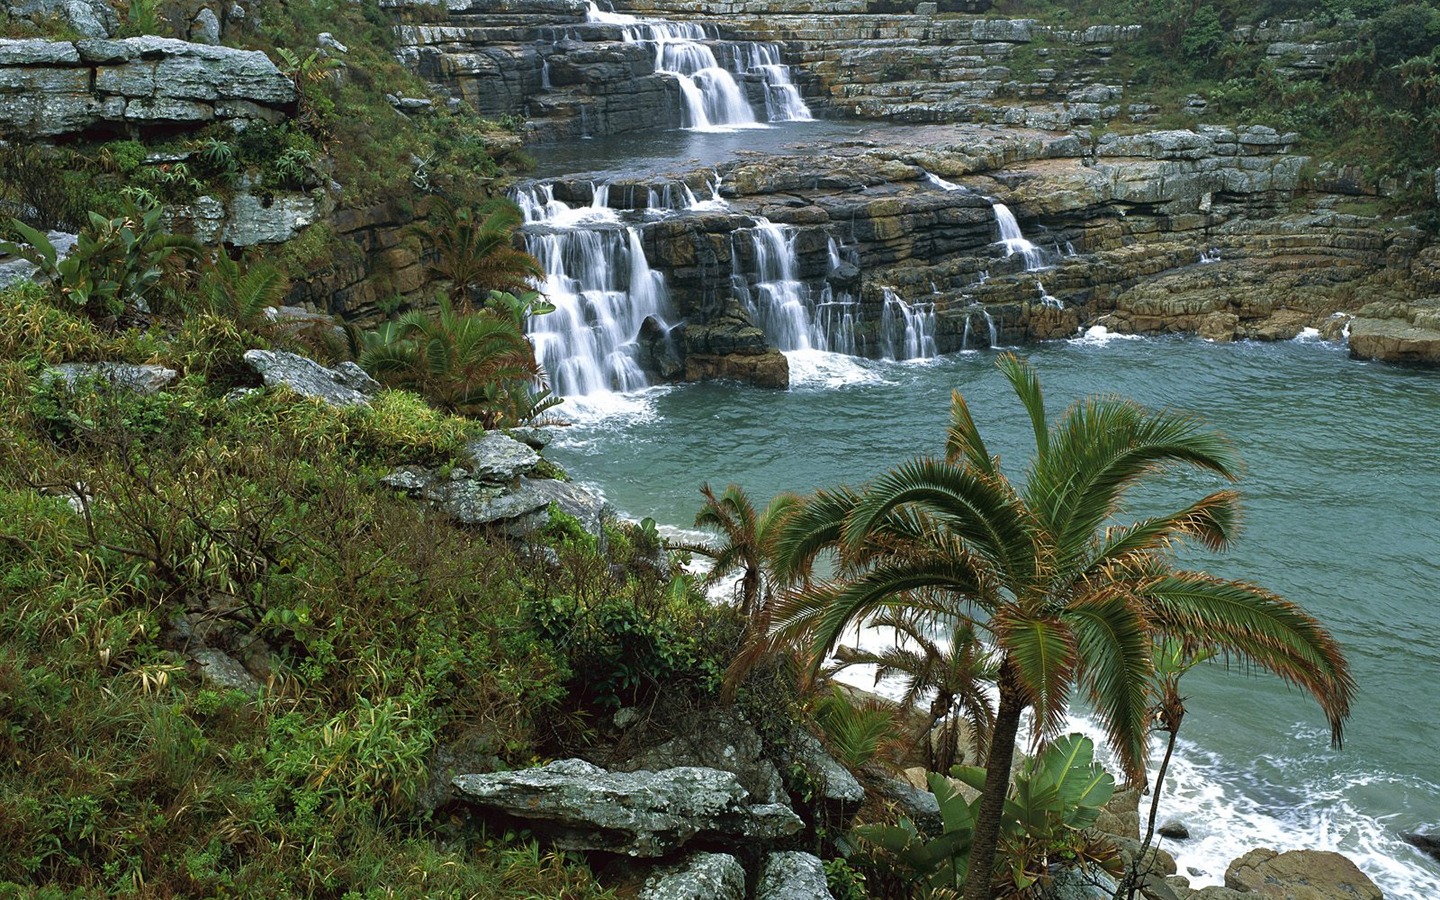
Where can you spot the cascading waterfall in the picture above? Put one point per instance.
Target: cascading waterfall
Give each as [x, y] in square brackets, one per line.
[778, 301]
[602, 287]
[908, 329]
[713, 99]
[990, 331]
[1015, 241]
[1046, 300]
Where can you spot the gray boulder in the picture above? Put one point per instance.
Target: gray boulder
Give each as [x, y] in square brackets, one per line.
[306, 377]
[137, 379]
[700, 876]
[220, 670]
[792, 875]
[918, 806]
[205, 27]
[647, 814]
[497, 457]
[89, 18]
[352, 376]
[838, 788]
[717, 739]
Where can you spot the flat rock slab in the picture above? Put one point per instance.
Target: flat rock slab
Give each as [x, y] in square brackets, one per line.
[136, 379]
[584, 807]
[1300, 875]
[306, 377]
[701, 876]
[792, 875]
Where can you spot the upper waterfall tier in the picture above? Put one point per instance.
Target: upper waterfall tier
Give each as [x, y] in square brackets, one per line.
[712, 98]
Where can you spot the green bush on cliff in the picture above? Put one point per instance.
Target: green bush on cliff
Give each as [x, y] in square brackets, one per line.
[136, 529]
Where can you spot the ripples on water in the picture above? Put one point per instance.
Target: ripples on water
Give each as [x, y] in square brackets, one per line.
[1339, 489]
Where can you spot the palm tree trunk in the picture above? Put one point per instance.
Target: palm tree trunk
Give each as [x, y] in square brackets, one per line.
[997, 785]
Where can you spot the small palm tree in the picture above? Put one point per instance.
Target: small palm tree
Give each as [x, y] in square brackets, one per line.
[473, 364]
[474, 250]
[1066, 594]
[952, 671]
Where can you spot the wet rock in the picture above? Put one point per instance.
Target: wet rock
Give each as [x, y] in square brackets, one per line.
[1398, 339]
[133, 378]
[1429, 843]
[700, 876]
[792, 875]
[533, 437]
[1175, 830]
[496, 457]
[1300, 875]
[584, 807]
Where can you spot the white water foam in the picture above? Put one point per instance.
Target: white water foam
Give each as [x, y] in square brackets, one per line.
[608, 411]
[1099, 336]
[818, 368]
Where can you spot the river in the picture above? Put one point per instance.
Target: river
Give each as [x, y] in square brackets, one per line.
[1340, 486]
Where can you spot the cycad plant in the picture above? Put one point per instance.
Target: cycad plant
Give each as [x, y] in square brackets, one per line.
[475, 364]
[1066, 594]
[474, 250]
[241, 294]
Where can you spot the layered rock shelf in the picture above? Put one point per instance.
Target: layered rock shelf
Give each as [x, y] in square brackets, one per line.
[62, 88]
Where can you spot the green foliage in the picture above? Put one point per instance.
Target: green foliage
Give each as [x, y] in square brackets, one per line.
[236, 292]
[476, 364]
[620, 653]
[1055, 799]
[42, 186]
[93, 409]
[855, 734]
[115, 264]
[474, 250]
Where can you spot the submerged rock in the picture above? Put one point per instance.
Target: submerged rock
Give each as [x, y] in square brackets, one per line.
[584, 807]
[1429, 843]
[700, 876]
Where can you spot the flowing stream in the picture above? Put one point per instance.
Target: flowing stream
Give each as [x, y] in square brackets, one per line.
[1338, 492]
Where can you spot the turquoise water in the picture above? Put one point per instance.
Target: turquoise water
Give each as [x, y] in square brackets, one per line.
[1340, 495]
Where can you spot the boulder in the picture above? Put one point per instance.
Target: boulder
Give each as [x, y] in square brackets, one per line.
[305, 377]
[217, 669]
[915, 804]
[1428, 843]
[133, 378]
[1394, 340]
[835, 787]
[1175, 830]
[498, 458]
[717, 739]
[580, 806]
[700, 876]
[205, 27]
[792, 875]
[1300, 875]
[89, 18]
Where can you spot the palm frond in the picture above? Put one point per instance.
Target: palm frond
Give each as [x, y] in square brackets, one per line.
[1113, 644]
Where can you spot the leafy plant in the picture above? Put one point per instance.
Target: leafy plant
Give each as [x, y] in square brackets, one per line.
[115, 263]
[240, 293]
[476, 364]
[855, 733]
[473, 249]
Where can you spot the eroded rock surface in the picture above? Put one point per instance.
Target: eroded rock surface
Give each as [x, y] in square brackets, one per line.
[306, 377]
[1300, 875]
[584, 807]
[700, 876]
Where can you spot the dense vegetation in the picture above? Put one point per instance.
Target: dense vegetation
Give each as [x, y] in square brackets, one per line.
[1372, 106]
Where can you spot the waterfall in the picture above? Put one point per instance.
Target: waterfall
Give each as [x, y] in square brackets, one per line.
[908, 329]
[1047, 301]
[944, 185]
[602, 287]
[777, 301]
[713, 99]
[1015, 241]
[990, 331]
[1210, 256]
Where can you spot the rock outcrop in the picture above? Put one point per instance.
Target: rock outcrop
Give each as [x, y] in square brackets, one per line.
[136, 379]
[645, 814]
[63, 88]
[345, 385]
[1300, 875]
[700, 876]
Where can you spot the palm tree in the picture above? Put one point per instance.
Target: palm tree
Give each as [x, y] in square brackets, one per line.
[1066, 595]
[474, 249]
[473, 364]
[952, 671]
